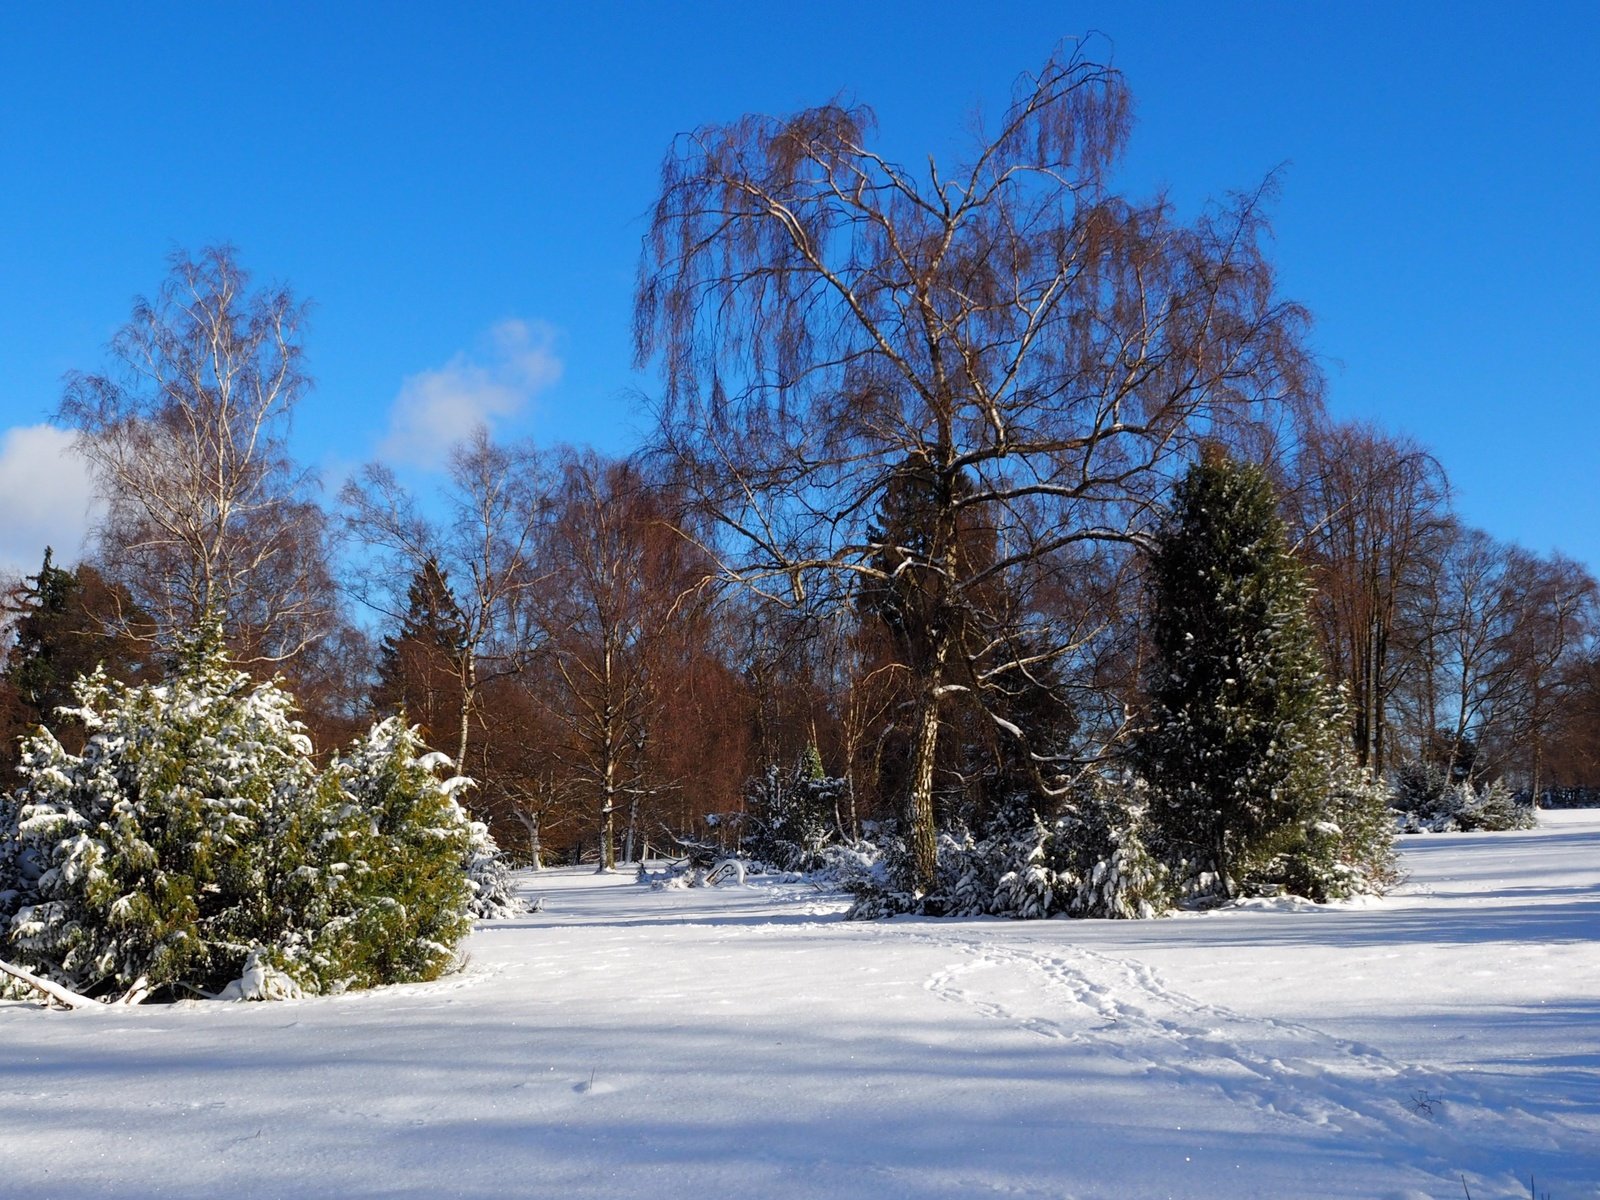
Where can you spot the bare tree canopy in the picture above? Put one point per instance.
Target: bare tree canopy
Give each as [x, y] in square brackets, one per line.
[1038, 350]
[484, 538]
[1370, 511]
[207, 516]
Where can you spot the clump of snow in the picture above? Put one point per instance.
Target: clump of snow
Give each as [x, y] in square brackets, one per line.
[260, 980]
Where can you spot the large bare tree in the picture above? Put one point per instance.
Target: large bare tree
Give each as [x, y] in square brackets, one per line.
[1370, 514]
[207, 517]
[1036, 351]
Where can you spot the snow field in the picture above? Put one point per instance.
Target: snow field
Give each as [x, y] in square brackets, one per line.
[745, 1041]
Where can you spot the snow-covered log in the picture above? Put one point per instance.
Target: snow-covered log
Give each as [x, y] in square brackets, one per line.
[54, 991]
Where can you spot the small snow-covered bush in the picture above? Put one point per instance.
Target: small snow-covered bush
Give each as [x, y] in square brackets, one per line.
[396, 897]
[1419, 790]
[157, 849]
[194, 836]
[790, 816]
[1090, 861]
[1428, 802]
[494, 893]
[850, 863]
[1346, 847]
[1494, 809]
[1106, 866]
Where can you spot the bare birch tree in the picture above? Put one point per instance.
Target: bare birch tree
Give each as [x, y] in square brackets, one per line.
[1037, 349]
[485, 539]
[207, 517]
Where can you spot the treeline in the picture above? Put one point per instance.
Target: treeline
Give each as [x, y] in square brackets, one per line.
[914, 438]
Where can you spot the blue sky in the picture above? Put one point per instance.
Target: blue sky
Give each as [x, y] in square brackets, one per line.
[460, 190]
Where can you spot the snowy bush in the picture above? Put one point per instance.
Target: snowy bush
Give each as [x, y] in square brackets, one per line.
[1343, 848]
[1093, 859]
[194, 835]
[1419, 790]
[1106, 868]
[790, 816]
[493, 888]
[1492, 809]
[1025, 883]
[158, 847]
[1429, 802]
[395, 899]
[1089, 862]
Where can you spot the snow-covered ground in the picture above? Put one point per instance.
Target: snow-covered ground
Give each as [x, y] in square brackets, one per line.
[745, 1041]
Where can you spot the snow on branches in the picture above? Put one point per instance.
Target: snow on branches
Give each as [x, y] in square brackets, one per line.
[194, 845]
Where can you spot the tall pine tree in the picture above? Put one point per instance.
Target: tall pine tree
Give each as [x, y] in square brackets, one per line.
[420, 665]
[1241, 748]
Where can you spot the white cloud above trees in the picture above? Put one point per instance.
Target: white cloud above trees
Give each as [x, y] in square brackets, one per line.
[494, 382]
[47, 497]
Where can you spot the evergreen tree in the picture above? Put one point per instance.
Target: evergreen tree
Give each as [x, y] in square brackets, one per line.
[419, 666]
[400, 913]
[68, 623]
[793, 814]
[193, 843]
[1248, 782]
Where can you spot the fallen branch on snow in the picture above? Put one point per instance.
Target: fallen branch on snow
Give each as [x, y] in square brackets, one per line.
[54, 991]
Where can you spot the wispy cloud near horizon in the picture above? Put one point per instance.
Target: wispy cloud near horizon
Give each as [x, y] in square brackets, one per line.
[495, 381]
[47, 496]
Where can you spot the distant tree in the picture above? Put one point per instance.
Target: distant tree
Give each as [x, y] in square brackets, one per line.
[484, 539]
[66, 623]
[1552, 629]
[1469, 628]
[207, 516]
[1043, 348]
[1370, 515]
[420, 665]
[333, 681]
[1241, 743]
[621, 585]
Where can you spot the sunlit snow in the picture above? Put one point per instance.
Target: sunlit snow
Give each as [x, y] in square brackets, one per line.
[746, 1041]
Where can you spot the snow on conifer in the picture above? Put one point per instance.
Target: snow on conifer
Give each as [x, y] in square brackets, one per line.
[194, 840]
[1252, 788]
[157, 848]
[404, 902]
[493, 888]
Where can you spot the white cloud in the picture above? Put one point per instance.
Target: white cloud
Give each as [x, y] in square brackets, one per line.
[511, 364]
[46, 497]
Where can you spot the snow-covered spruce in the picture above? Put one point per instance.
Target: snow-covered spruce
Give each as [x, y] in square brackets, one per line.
[791, 816]
[494, 892]
[1429, 802]
[1252, 788]
[194, 835]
